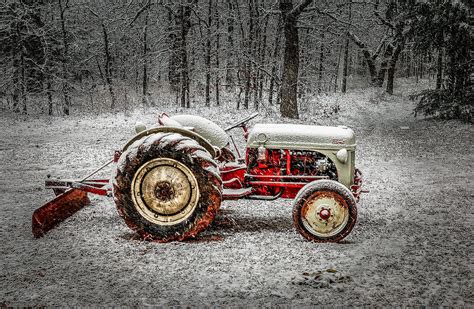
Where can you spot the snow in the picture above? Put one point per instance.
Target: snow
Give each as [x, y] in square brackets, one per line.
[275, 135]
[412, 244]
[204, 127]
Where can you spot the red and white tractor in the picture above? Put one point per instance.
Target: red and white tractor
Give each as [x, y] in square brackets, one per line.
[170, 180]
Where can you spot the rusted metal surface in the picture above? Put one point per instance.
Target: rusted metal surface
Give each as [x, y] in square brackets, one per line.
[325, 214]
[287, 177]
[182, 131]
[324, 211]
[96, 186]
[57, 210]
[356, 188]
[165, 191]
[117, 154]
[232, 175]
[234, 194]
[278, 184]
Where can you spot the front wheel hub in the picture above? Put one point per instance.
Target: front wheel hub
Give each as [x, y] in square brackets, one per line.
[324, 214]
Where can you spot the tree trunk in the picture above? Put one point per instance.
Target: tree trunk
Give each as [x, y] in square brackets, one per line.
[321, 64]
[263, 59]
[289, 85]
[207, 59]
[368, 57]
[16, 70]
[229, 65]
[108, 66]
[65, 84]
[346, 55]
[185, 26]
[337, 68]
[384, 65]
[49, 94]
[178, 73]
[175, 57]
[217, 78]
[145, 62]
[276, 52]
[439, 75]
[23, 82]
[250, 43]
[391, 68]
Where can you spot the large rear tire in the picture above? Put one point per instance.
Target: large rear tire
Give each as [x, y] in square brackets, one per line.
[167, 187]
[324, 211]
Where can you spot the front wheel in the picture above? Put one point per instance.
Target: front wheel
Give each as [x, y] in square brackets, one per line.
[324, 211]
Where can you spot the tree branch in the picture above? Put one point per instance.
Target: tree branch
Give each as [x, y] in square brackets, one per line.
[379, 48]
[300, 8]
[384, 21]
[140, 11]
[331, 16]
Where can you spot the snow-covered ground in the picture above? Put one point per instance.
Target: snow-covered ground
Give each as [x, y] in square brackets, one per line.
[412, 245]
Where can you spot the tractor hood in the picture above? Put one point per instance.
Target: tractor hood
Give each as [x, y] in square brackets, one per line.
[295, 136]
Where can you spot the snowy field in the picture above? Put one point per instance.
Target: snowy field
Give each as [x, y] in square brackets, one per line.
[412, 244]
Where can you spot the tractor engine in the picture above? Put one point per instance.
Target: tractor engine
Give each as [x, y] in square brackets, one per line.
[292, 165]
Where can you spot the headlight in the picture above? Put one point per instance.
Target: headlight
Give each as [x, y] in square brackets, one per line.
[342, 155]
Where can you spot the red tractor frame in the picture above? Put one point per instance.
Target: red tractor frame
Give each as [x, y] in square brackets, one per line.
[170, 179]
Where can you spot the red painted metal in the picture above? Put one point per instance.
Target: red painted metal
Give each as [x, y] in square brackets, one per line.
[91, 189]
[235, 194]
[235, 147]
[288, 162]
[57, 210]
[324, 214]
[294, 177]
[246, 131]
[356, 188]
[117, 154]
[233, 175]
[278, 184]
[97, 186]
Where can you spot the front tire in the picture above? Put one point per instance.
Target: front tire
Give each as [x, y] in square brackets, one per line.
[324, 211]
[167, 187]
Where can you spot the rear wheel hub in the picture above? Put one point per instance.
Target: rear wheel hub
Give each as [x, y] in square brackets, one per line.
[165, 191]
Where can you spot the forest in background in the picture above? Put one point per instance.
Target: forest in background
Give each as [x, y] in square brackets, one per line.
[57, 56]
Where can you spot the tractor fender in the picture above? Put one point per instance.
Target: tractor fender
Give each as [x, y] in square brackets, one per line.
[193, 135]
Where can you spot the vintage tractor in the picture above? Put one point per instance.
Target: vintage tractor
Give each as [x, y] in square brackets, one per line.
[170, 180]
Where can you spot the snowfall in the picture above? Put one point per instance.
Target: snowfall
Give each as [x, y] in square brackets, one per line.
[412, 244]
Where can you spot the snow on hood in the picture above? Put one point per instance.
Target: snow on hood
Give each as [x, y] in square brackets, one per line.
[295, 136]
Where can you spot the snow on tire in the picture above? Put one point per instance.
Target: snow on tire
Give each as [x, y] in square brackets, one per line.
[167, 187]
[324, 211]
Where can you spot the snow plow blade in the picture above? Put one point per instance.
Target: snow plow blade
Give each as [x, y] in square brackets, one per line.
[57, 210]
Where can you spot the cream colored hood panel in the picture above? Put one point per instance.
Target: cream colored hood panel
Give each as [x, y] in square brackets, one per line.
[295, 136]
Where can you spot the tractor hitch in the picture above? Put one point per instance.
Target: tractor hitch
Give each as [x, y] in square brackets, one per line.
[71, 196]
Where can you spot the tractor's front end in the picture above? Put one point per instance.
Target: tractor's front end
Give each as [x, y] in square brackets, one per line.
[314, 165]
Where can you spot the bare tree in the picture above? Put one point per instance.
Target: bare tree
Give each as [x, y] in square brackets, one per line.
[289, 84]
[346, 54]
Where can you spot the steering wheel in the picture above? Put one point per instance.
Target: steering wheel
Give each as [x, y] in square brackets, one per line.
[241, 122]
